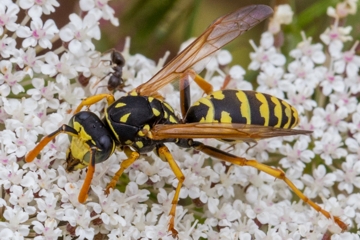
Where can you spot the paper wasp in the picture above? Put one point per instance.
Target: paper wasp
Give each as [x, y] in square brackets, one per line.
[140, 122]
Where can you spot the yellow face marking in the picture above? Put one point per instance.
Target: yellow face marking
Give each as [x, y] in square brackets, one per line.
[78, 146]
[264, 108]
[245, 107]
[124, 117]
[287, 113]
[120, 104]
[150, 99]
[225, 117]
[277, 110]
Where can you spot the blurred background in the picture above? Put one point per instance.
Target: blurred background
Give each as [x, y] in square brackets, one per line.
[159, 26]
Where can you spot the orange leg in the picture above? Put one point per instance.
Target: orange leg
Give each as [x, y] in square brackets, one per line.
[132, 156]
[72, 132]
[164, 153]
[94, 99]
[63, 129]
[277, 173]
[88, 178]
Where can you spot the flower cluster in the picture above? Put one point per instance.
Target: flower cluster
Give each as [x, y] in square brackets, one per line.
[40, 86]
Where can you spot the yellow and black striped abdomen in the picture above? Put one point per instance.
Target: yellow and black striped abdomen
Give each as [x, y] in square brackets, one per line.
[246, 107]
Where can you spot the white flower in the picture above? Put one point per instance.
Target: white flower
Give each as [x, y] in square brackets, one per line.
[354, 126]
[269, 80]
[22, 199]
[343, 9]
[330, 147]
[107, 11]
[8, 17]
[79, 218]
[7, 46]
[79, 32]
[333, 117]
[294, 154]
[40, 33]
[48, 208]
[63, 68]
[353, 84]
[348, 62]
[344, 99]
[27, 61]
[336, 35]
[331, 83]
[283, 15]
[350, 175]
[15, 217]
[319, 183]
[48, 229]
[9, 80]
[299, 97]
[265, 54]
[305, 49]
[36, 8]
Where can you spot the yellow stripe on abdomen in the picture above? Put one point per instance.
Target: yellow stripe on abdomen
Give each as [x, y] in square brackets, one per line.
[264, 108]
[277, 111]
[245, 106]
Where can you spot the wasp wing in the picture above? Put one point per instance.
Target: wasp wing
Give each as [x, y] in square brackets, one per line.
[230, 131]
[222, 31]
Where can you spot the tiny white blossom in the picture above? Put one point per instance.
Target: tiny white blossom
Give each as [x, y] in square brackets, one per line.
[39, 33]
[48, 229]
[7, 46]
[294, 154]
[8, 17]
[63, 68]
[79, 32]
[348, 62]
[265, 54]
[15, 218]
[36, 8]
[349, 176]
[283, 15]
[330, 147]
[305, 49]
[343, 9]
[331, 83]
[319, 183]
[107, 11]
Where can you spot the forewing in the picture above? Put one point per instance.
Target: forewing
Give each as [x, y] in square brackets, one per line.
[217, 35]
[233, 131]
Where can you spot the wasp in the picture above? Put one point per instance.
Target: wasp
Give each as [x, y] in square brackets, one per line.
[141, 121]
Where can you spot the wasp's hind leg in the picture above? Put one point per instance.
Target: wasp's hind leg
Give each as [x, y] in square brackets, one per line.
[277, 173]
